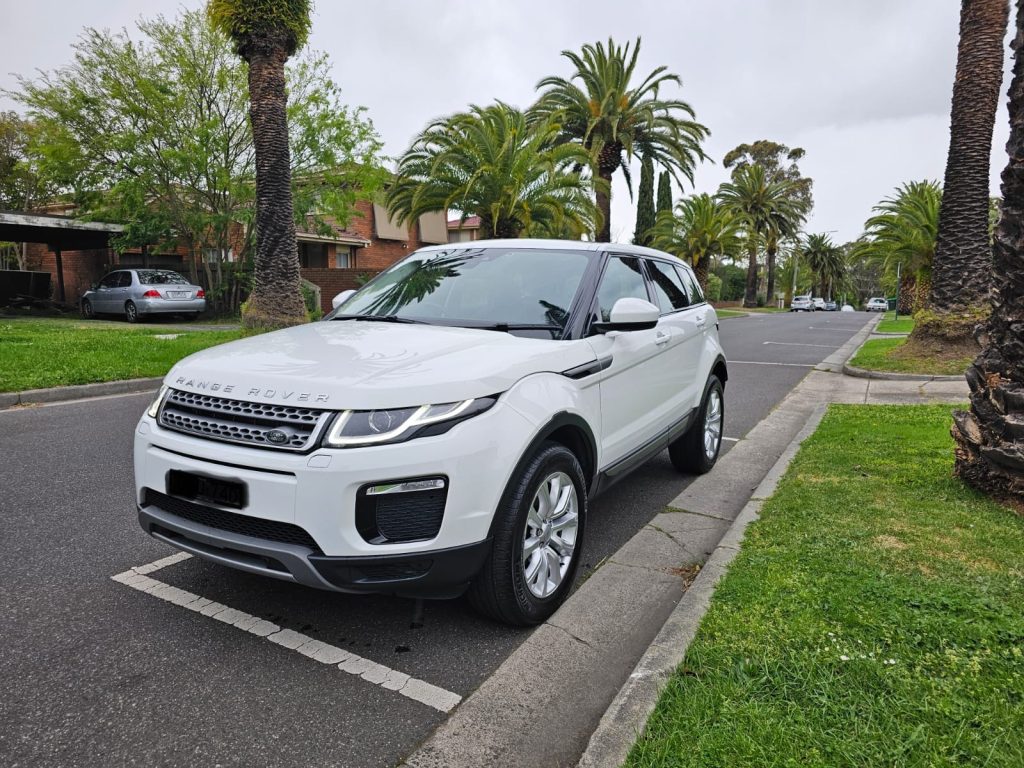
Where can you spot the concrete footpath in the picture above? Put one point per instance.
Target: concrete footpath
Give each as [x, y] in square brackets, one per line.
[601, 660]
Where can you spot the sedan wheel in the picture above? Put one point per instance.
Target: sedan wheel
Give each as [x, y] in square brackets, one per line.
[131, 312]
[87, 310]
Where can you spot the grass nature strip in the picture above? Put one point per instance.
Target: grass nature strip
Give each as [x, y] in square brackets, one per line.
[890, 324]
[52, 353]
[885, 355]
[874, 616]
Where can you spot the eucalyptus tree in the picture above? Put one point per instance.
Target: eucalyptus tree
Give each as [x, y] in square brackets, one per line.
[614, 113]
[699, 231]
[490, 162]
[989, 437]
[903, 232]
[768, 210]
[963, 253]
[266, 33]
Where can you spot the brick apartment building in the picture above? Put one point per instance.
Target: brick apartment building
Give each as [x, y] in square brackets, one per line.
[335, 262]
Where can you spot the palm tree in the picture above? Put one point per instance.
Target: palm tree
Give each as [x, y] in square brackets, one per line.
[601, 108]
[490, 163]
[769, 211]
[963, 254]
[265, 34]
[903, 231]
[825, 259]
[699, 230]
[990, 438]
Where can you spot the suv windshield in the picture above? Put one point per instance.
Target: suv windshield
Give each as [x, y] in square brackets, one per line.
[509, 289]
[160, 277]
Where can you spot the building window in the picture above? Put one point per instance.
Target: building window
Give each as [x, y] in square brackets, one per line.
[345, 257]
[313, 255]
[214, 255]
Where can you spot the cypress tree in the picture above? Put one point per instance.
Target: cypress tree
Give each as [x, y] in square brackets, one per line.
[644, 203]
[664, 193]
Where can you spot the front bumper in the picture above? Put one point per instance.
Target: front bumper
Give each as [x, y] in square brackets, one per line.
[440, 573]
[169, 306]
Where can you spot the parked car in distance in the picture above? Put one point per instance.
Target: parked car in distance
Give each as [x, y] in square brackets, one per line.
[444, 430]
[801, 304]
[819, 303]
[877, 304]
[847, 308]
[138, 293]
[831, 306]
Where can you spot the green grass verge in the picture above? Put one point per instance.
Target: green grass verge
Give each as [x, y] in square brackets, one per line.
[730, 313]
[891, 325]
[56, 352]
[874, 616]
[884, 355]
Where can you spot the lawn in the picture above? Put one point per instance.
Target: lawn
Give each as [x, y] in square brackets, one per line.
[885, 355]
[38, 353]
[872, 618]
[730, 313]
[891, 325]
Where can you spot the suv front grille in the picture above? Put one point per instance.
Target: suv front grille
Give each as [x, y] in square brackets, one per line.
[237, 421]
[232, 522]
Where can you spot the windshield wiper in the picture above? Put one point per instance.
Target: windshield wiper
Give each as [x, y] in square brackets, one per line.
[380, 318]
[517, 327]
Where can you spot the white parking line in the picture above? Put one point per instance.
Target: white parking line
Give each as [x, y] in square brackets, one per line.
[761, 362]
[798, 344]
[731, 439]
[370, 671]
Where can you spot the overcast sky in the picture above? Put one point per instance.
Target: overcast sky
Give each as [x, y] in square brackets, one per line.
[864, 87]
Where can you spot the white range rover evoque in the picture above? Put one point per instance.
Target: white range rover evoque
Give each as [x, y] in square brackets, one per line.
[443, 428]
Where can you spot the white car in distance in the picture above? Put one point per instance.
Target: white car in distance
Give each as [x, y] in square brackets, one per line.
[443, 429]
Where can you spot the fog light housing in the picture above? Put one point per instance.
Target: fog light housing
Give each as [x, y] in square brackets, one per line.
[406, 510]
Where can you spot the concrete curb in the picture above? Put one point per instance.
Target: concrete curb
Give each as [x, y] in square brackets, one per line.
[865, 373]
[624, 720]
[834, 363]
[78, 392]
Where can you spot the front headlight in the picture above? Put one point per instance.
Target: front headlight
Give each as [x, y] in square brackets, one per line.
[155, 407]
[354, 428]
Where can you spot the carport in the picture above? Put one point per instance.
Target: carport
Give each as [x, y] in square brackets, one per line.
[58, 233]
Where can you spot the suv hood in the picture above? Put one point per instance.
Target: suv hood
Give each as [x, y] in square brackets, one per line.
[341, 364]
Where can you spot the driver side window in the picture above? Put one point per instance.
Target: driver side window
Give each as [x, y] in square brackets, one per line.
[110, 281]
[622, 279]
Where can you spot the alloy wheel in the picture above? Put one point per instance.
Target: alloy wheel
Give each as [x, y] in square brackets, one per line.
[549, 538]
[713, 424]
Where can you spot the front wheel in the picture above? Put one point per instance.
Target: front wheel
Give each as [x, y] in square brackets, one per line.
[696, 451]
[537, 537]
[87, 311]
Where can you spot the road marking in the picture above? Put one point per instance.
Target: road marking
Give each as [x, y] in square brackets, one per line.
[797, 344]
[834, 330]
[370, 671]
[761, 362]
[731, 439]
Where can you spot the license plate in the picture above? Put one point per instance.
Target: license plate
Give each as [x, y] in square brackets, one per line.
[178, 294]
[213, 490]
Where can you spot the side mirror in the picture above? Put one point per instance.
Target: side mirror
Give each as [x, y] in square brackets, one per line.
[630, 314]
[94, 287]
[341, 298]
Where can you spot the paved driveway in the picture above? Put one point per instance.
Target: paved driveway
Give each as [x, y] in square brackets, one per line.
[96, 671]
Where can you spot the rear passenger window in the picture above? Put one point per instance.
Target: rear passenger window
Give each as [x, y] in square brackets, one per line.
[669, 288]
[125, 280]
[622, 279]
[696, 294]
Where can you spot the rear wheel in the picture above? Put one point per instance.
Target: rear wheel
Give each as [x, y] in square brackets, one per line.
[538, 533]
[87, 311]
[131, 312]
[697, 450]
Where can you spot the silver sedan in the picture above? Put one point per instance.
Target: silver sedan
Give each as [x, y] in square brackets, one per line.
[136, 293]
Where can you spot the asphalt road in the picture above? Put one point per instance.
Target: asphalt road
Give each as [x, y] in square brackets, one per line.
[97, 673]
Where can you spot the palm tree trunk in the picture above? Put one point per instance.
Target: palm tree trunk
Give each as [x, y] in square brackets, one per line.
[772, 249]
[990, 437]
[962, 263]
[603, 198]
[750, 297]
[700, 271]
[276, 298]
[908, 294]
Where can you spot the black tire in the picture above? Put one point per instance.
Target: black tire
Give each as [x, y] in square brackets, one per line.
[500, 591]
[688, 452]
[87, 310]
[131, 312]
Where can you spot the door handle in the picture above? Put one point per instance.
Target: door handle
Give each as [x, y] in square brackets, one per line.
[702, 320]
[661, 338]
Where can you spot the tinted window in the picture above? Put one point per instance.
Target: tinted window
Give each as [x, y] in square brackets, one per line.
[622, 279]
[110, 281]
[477, 287]
[669, 288]
[160, 277]
[124, 279]
[696, 294]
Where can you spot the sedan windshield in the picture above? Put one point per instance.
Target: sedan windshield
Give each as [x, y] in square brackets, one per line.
[507, 289]
[160, 277]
